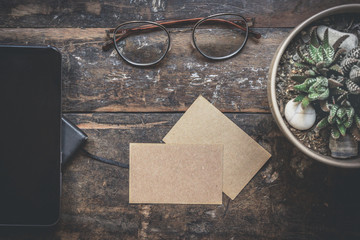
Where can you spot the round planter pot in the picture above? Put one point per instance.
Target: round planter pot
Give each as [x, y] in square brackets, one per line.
[350, 163]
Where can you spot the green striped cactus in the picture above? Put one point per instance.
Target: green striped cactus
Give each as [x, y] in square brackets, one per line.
[312, 89]
[332, 79]
[320, 59]
[341, 119]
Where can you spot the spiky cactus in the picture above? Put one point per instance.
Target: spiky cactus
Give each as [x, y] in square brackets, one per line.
[320, 58]
[350, 67]
[319, 63]
[312, 89]
[341, 119]
[332, 79]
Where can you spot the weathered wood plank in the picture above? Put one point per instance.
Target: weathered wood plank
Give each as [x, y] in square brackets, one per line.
[291, 197]
[70, 13]
[102, 82]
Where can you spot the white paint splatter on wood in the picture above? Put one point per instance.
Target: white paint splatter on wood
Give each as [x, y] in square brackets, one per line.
[157, 5]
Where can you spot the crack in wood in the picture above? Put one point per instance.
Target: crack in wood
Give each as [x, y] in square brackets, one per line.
[119, 126]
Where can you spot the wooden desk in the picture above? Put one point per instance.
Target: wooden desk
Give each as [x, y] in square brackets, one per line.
[291, 197]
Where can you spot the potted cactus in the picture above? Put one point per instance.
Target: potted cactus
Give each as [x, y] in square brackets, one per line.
[325, 77]
[314, 87]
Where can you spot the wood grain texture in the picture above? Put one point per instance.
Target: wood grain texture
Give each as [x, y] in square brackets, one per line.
[291, 197]
[97, 81]
[108, 13]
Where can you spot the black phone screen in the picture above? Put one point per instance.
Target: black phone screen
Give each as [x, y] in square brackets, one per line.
[30, 105]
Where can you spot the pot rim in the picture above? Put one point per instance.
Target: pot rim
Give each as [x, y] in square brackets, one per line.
[271, 88]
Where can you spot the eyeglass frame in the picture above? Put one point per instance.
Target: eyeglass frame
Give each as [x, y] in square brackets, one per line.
[159, 24]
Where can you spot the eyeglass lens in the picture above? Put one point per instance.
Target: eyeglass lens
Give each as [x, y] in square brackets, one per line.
[220, 36]
[141, 43]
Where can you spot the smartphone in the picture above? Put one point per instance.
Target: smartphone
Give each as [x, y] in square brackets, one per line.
[30, 145]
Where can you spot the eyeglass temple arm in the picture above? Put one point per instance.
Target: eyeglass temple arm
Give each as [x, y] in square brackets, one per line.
[126, 32]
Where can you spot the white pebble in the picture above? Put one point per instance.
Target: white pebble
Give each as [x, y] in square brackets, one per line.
[298, 117]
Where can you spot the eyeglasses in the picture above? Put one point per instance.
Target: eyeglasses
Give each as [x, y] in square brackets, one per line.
[145, 43]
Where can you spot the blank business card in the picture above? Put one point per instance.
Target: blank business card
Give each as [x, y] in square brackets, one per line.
[175, 173]
[203, 123]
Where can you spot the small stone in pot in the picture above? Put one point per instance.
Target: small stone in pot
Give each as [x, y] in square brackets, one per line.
[299, 118]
